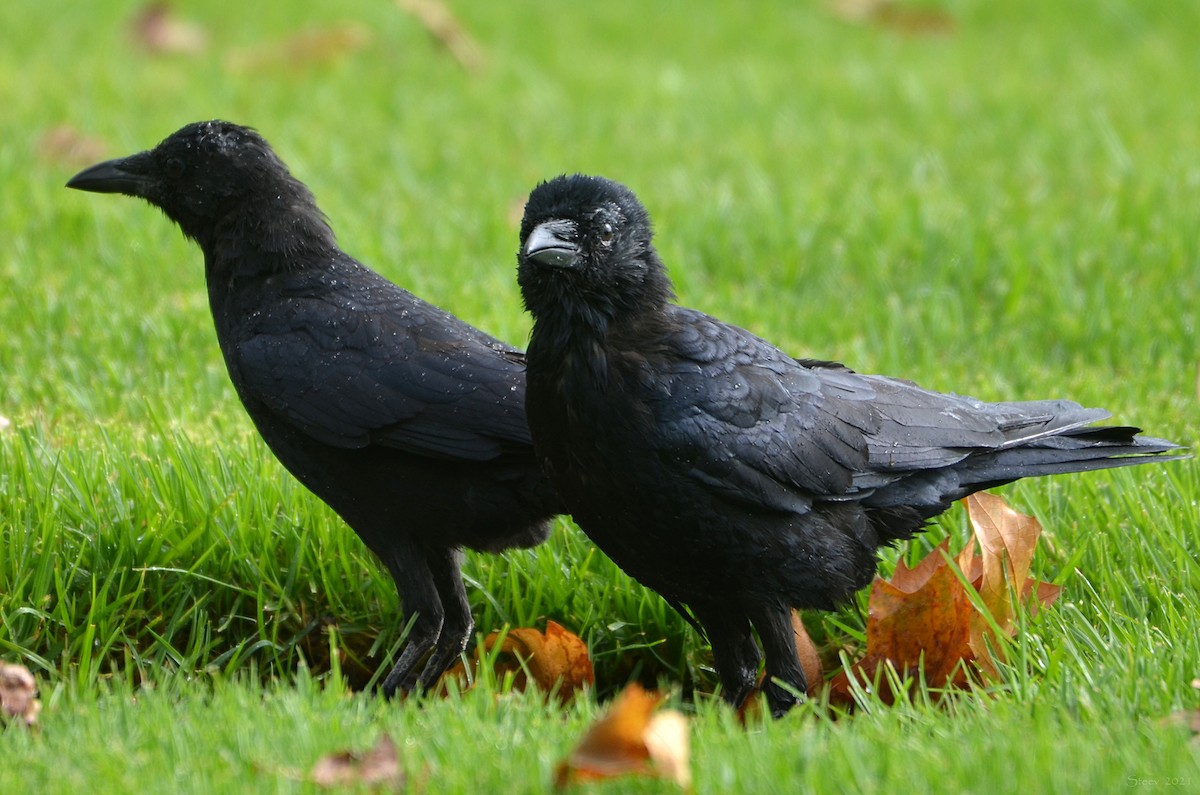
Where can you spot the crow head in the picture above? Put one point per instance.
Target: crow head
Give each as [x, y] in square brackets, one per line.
[586, 249]
[201, 175]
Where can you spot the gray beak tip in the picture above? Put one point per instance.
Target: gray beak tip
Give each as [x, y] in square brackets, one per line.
[549, 244]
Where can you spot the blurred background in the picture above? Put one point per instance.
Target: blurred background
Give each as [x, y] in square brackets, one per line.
[837, 175]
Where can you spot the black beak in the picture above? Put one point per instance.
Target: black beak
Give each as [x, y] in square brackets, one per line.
[122, 175]
[549, 244]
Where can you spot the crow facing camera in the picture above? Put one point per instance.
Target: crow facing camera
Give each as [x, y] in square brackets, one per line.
[733, 479]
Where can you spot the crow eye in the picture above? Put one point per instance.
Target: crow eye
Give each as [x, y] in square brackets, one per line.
[607, 234]
[174, 167]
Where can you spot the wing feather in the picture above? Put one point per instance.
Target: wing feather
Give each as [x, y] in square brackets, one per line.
[771, 431]
[381, 367]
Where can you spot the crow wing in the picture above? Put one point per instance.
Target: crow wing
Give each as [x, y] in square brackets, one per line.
[352, 360]
[752, 424]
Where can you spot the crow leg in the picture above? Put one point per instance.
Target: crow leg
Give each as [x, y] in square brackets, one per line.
[734, 651]
[421, 608]
[446, 565]
[784, 674]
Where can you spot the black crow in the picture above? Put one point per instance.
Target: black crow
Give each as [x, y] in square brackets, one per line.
[733, 479]
[407, 421]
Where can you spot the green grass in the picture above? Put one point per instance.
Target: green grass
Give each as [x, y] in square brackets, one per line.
[1006, 210]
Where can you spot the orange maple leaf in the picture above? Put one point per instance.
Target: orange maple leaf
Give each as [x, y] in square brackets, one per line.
[631, 739]
[554, 658]
[924, 617]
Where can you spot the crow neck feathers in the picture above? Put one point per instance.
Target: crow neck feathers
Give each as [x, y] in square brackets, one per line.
[283, 227]
[279, 220]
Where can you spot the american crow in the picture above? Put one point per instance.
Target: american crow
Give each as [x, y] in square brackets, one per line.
[728, 476]
[408, 422]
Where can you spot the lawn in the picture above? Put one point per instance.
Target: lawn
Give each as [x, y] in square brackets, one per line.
[997, 199]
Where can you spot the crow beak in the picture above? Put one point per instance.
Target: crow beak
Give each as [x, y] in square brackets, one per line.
[123, 175]
[549, 244]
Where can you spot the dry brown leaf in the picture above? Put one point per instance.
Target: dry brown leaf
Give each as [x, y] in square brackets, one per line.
[315, 47]
[924, 616]
[64, 145]
[806, 650]
[378, 766]
[856, 10]
[445, 28]
[929, 622]
[1184, 719]
[158, 30]
[921, 617]
[1007, 540]
[554, 658]
[18, 689]
[631, 740]
[892, 14]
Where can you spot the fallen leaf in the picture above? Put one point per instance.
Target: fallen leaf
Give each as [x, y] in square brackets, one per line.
[902, 17]
[556, 658]
[627, 740]
[921, 617]
[378, 766]
[158, 30]
[615, 744]
[65, 145]
[925, 619]
[666, 738]
[810, 660]
[314, 47]
[1007, 540]
[1184, 719]
[17, 690]
[1188, 719]
[445, 28]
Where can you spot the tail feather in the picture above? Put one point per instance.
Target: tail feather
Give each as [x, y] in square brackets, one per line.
[1084, 449]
